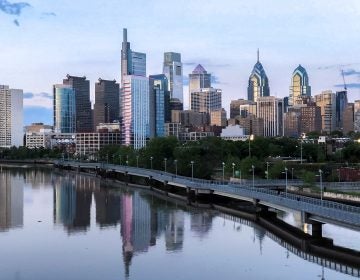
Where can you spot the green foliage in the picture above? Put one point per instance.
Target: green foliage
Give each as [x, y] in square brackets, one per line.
[309, 178]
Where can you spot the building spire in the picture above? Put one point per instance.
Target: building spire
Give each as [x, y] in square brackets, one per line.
[258, 55]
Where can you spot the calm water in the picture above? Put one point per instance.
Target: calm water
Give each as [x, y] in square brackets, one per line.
[70, 226]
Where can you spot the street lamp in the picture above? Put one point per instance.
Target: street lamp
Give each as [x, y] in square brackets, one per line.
[251, 138]
[127, 163]
[321, 187]
[137, 161]
[223, 171]
[151, 159]
[165, 159]
[120, 159]
[253, 175]
[233, 167]
[192, 170]
[292, 173]
[175, 161]
[286, 186]
[301, 147]
[267, 170]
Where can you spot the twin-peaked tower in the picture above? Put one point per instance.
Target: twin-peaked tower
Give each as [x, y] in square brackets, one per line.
[299, 88]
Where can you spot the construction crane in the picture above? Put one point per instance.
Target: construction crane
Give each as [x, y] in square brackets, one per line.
[343, 76]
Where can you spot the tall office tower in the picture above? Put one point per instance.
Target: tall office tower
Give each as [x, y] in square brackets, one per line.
[348, 118]
[198, 79]
[327, 102]
[11, 117]
[286, 103]
[83, 111]
[159, 104]
[299, 86]
[248, 109]
[258, 82]
[357, 116]
[135, 127]
[271, 109]
[106, 107]
[205, 100]
[292, 122]
[64, 104]
[173, 69]
[341, 103]
[310, 118]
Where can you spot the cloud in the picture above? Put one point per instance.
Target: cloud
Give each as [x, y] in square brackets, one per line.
[351, 72]
[42, 99]
[337, 66]
[351, 85]
[16, 22]
[51, 14]
[13, 8]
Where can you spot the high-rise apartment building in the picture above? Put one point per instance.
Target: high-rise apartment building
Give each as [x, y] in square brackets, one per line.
[341, 104]
[198, 79]
[357, 116]
[327, 103]
[258, 82]
[299, 86]
[205, 100]
[270, 109]
[218, 117]
[292, 122]
[348, 118]
[135, 111]
[64, 109]
[173, 70]
[11, 117]
[159, 104]
[106, 107]
[310, 118]
[83, 111]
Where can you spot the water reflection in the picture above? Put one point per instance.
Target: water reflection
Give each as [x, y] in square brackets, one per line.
[11, 201]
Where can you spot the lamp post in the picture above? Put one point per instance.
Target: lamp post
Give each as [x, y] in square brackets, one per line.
[251, 137]
[192, 170]
[137, 161]
[253, 175]
[233, 167]
[120, 159]
[286, 170]
[165, 160]
[175, 161]
[223, 171]
[292, 173]
[301, 151]
[151, 159]
[321, 187]
[267, 170]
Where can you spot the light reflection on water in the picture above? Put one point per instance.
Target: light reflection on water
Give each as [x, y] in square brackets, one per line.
[70, 226]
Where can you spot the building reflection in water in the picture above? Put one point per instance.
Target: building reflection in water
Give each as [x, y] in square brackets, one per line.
[107, 208]
[201, 223]
[11, 201]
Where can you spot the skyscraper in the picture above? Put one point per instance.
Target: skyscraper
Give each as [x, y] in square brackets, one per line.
[341, 104]
[348, 118]
[135, 128]
[258, 82]
[198, 79]
[357, 116]
[173, 70]
[64, 104]
[11, 117]
[327, 102]
[299, 86]
[81, 87]
[270, 109]
[159, 104]
[106, 107]
[205, 100]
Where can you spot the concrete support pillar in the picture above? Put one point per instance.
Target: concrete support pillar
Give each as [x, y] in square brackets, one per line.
[317, 230]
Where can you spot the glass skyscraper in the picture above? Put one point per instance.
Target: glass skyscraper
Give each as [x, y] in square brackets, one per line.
[64, 109]
[159, 104]
[299, 88]
[173, 70]
[135, 127]
[258, 82]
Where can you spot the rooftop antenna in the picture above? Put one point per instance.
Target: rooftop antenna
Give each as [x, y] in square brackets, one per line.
[258, 55]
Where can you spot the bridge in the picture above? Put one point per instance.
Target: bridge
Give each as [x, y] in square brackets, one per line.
[313, 210]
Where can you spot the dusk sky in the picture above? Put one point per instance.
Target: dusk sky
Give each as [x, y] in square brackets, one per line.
[42, 41]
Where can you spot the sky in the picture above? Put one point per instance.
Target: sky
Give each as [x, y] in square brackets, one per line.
[42, 41]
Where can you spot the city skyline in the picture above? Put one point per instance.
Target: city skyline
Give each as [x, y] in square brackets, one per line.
[227, 50]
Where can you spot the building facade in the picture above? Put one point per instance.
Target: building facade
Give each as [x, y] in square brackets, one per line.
[357, 116]
[205, 100]
[310, 118]
[199, 78]
[106, 107]
[299, 86]
[341, 104]
[173, 70]
[64, 104]
[135, 111]
[81, 87]
[11, 117]
[258, 82]
[327, 103]
[218, 117]
[348, 119]
[270, 109]
[292, 122]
